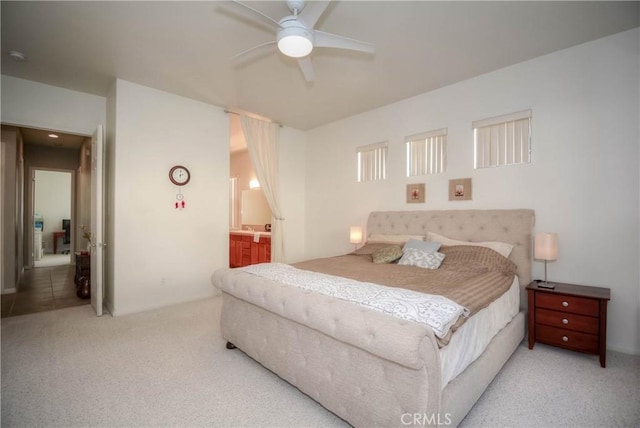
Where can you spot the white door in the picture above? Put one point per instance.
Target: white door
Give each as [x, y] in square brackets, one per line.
[97, 229]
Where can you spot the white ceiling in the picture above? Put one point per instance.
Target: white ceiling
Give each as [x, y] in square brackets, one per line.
[187, 47]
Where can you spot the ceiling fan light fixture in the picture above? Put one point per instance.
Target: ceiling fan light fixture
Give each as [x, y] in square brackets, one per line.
[295, 46]
[294, 40]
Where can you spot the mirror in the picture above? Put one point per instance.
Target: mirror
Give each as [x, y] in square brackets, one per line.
[255, 208]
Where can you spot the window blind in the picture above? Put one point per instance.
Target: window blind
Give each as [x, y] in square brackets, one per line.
[427, 153]
[502, 140]
[372, 162]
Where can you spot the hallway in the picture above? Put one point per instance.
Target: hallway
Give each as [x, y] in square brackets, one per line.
[43, 289]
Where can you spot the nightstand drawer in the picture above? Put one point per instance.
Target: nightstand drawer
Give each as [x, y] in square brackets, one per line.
[567, 339]
[567, 321]
[572, 304]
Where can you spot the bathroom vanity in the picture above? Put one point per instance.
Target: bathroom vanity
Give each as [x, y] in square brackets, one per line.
[249, 248]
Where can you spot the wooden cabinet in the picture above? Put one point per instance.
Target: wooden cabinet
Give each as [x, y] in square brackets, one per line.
[569, 316]
[244, 251]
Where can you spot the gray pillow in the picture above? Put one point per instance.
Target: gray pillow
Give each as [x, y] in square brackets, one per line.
[387, 255]
[423, 259]
[426, 246]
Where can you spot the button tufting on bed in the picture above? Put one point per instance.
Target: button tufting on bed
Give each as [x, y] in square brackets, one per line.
[511, 226]
[365, 366]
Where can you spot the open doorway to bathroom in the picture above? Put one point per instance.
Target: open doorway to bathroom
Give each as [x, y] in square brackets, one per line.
[249, 212]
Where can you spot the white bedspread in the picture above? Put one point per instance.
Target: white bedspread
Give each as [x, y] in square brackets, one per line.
[437, 312]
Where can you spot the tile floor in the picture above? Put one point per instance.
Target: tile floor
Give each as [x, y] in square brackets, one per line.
[43, 289]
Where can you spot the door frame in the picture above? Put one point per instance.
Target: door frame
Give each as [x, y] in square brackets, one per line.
[97, 219]
[31, 211]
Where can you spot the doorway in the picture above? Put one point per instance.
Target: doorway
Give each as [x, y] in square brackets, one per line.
[53, 217]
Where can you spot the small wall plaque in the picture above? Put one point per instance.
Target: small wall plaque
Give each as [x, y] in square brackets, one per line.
[460, 189]
[415, 193]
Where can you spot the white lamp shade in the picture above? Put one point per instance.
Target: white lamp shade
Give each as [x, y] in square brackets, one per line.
[546, 246]
[355, 235]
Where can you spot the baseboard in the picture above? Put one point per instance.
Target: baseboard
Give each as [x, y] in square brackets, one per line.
[108, 308]
[628, 351]
[8, 290]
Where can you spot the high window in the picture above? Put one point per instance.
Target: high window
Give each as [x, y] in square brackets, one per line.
[372, 162]
[427, 153]
[503, 140]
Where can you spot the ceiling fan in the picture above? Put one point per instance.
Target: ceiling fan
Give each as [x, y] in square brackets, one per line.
[296, 37]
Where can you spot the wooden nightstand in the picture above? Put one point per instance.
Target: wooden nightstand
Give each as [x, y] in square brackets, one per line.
[569, 316]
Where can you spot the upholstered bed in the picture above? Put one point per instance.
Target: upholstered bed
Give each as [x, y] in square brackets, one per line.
[366, 366]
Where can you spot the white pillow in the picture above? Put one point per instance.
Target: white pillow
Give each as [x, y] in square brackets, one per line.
[422, 245]
[393, 239]
[501, 247]
[420, 258]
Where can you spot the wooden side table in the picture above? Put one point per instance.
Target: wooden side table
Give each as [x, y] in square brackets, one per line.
[569, 316]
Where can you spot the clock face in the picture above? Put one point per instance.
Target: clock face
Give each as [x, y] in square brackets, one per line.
[179, 175]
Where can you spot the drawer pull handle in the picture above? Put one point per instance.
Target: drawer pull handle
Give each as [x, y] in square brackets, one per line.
[565, 321]
[565, 339]
[565, 304]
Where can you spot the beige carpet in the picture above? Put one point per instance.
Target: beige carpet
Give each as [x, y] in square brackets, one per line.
[169, 367]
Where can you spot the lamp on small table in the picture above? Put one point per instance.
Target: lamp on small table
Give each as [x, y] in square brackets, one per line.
[546, 248]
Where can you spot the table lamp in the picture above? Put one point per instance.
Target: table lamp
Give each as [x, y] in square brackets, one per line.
[546, 248]
[355, 235]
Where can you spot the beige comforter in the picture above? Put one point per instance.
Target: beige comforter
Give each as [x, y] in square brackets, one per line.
[471, 276]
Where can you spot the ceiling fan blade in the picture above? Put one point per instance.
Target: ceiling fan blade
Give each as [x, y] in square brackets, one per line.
[307, 68]
[312, 11]
[245, 52]
[328, 40]
[264, 17]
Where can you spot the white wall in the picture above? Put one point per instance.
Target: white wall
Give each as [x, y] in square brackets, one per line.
[155, 255]
[10, 147]
[36, 105]
[583, 181]
[163, 255]
[293, 170]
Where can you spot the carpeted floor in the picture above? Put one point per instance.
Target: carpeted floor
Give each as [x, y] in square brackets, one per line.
[169, 367]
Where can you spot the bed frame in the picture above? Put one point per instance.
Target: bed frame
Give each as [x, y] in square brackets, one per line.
[370, 368]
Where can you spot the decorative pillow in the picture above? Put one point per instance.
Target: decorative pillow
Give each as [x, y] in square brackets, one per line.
[387, 255]
[423, 259]
[395, 239]
[500, 247]
[368, 248]
[422, 245]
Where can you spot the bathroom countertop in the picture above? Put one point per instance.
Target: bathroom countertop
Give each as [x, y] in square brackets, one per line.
[250, 232]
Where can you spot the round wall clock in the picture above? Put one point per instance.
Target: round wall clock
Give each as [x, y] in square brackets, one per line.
[179, 175]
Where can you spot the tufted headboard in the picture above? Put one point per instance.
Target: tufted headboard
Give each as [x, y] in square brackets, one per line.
[512, 226]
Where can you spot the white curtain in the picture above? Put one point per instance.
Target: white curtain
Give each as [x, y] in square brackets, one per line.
[262, 142]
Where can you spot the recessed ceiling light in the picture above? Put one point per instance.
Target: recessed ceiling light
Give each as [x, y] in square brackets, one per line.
[53, 136]
[18, 56]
